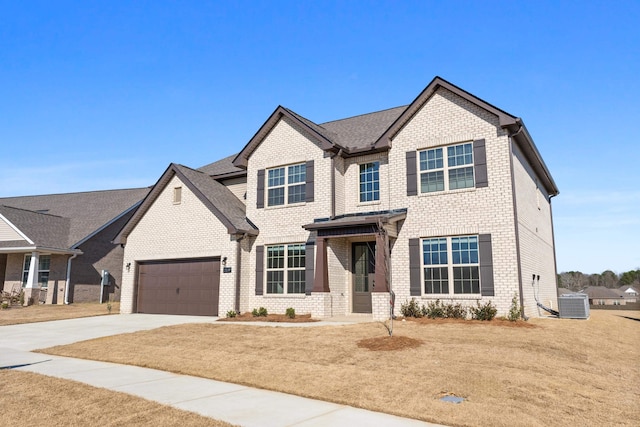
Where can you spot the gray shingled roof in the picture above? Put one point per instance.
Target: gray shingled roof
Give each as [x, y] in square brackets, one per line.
[86, 212]
[219, 196]
[600, 292]
[44, 230]
[362, 131]
[221, 167]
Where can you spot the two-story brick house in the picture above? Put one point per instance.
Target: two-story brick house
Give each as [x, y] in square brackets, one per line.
[445, 198]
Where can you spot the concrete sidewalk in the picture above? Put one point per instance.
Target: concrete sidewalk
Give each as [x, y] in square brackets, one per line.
[233, 403]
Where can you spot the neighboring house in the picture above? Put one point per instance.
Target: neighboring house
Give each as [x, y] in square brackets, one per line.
[445, 198]
[599, 295]
[56, 246]
[629, 292]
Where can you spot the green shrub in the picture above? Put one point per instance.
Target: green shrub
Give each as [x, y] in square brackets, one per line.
[411, 309]
[231, 313]
[260, 312]
[516, 311]
[434, 310]
[291, 313]
[455, 311]
[483, 312]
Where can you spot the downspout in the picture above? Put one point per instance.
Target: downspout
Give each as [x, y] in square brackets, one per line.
[515, 219]
[238, 268]
[68, 282]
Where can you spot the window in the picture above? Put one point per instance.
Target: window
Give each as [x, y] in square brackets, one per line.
[451, 172]
[370, 182]
[286, 184]
[451, 264]
[286, 269]
[44, 261]
[177, 195]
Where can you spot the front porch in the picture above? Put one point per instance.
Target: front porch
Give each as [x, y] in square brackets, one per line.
[353, 264]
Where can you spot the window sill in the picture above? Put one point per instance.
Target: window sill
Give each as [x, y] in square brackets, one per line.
[439, 193]
[373, 202]
[443, 297]
[293, 205]
[277, 296]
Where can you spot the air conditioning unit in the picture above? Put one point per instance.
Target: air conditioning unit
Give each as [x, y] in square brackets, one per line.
[573, 306]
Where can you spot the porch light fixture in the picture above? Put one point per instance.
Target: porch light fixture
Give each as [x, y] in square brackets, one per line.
[224, 261]
[128, 266]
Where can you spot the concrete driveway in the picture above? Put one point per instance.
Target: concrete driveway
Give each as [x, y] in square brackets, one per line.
[233, 403]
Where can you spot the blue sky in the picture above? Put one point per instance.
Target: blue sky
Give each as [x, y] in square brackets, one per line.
[101, 95]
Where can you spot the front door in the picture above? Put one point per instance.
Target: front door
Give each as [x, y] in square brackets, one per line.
[363, 267]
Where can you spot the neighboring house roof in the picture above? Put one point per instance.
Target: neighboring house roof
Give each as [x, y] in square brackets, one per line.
[628, 289]
[87, 212]
[40, 230]
[600, 292]
[375, 131]
[565, 291]
[223, 168]
[229, 210]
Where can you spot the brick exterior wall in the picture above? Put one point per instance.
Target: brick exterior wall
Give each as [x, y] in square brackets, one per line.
[98, 253]
[536, 238]
[57, 275]
[448, 119]
[178, 231]
[286, 144]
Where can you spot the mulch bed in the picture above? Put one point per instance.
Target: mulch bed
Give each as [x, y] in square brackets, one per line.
[248, 317]
[389, 343]
[495, 322]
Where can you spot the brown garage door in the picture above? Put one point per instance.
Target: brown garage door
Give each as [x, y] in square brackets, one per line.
[179, 287]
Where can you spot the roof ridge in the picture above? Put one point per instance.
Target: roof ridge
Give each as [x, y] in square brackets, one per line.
[33, 212]
[364, 114]
[75, 192]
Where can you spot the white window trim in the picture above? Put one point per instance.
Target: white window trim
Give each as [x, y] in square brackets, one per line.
[285, 270]
[450, 265]
[445, 169]
[38, 271]
[359, 192]
[286, 186]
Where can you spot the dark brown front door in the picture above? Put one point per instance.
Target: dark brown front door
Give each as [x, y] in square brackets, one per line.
[188, 287]
[363, 267]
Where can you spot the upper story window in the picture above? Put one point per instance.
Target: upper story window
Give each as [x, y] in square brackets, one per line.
[286, 185]
[286, 269]
[44, 261]
[446, 168]
[370, 182]
[177, 195]
[451, 265]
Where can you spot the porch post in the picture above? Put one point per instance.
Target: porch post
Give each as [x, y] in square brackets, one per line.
[321, 279]
[381, 267]
[32, 287]
[32, 278]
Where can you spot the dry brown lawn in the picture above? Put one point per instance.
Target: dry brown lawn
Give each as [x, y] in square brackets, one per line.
[42, 313]
[553, 372]
[30, 399]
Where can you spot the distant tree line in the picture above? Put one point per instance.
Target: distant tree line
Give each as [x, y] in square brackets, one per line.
[576, 280]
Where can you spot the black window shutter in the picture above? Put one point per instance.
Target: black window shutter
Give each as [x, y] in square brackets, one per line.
[480, 163]
[260, 191]
[486, 265]
[259, 269]
[309, 267]
[412, 182]
[414, 267]
[309, 183]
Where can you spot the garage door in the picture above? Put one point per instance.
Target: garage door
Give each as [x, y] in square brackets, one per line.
[179, 287]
